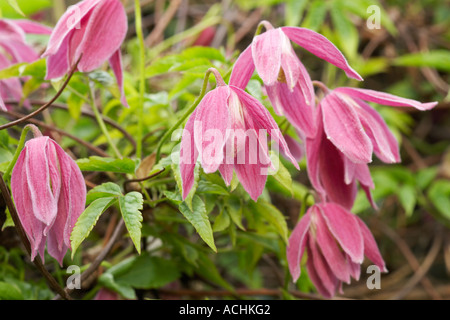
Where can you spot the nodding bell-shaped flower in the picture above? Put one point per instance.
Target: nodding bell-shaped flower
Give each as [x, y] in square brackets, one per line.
[357, 129]
[332, 174]
[285, 78]
[228, 131]
[336, 242]
[15, 49]
[49, 193]
[93, 30]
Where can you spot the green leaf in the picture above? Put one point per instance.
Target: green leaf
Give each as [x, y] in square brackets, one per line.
[425, 176]
[222, 221]
[294, 11]
[149, 272]
[438, 59]
[9, 291]
[439, 194]
[199, 220]
[108, 189]
[28, 7]
[407, 196]
[108, 281]
[346, 31]
[272, 215]
[87, 221]
[282, 175]
[130, 206]
[96, 163]
[15, 6]
[315, 15]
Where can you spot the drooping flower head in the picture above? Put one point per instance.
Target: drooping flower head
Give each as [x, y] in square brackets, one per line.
[228, 131]
[336, 242]
[356, 129]
[92, 30]
[332, 174]
[285, 78]
[49, 193]
[14, 49]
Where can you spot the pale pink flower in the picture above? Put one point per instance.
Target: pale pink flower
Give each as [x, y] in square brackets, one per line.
[287, 81]
[356, 129]
[228, 131]
[50, 194]
[93, 30]
[15, 49]
[336, 242]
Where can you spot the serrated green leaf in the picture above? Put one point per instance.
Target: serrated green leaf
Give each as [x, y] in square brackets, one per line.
[96, 163]
[87, 221]
[130, 206]
[199, 220]
[108, 189]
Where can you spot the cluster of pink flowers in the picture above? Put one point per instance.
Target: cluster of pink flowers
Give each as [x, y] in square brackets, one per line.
[340, 133]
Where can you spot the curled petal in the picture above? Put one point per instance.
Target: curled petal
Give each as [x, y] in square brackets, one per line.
[116, 65]
[321, 47]
[385, 98]
[370, 247]
[32, 27]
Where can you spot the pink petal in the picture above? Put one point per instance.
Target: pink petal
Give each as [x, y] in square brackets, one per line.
[319, 272]
[333, 255]
[298, 111]
[344, 129]
[32, 27]
[297, 245]
[24, 205]
[321, 47]
[266, 52]
[38, 177]
[297, 148]
[188, 156]
[345, 228]
[243, 69]
[2, 104]
[116, 65]
[212, 120]
[385, 98]
[106, 29]
[385, 145]
[263, 121]
[226, 170]
[70, 21]
[370, 247]
[19, 51]
[291, 65]
[251, 175]
[58, 63]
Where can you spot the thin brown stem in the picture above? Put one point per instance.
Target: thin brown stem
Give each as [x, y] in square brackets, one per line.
[48, 104]
[53, 284]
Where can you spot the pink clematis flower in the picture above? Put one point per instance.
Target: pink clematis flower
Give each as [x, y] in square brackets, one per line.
[228, 131]
[336, 242]
[332, 174]
[356, 129]
[286, 80]
[15, 49]
[93, 30]
[2, 104]
[50, 194]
